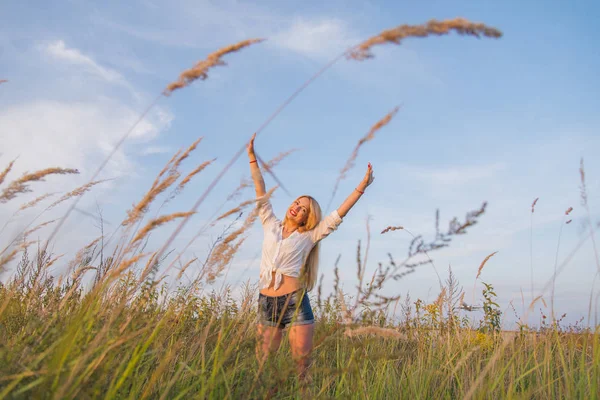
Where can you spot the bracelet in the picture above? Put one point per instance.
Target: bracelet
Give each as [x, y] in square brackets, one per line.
[252, 161]
[359, 191]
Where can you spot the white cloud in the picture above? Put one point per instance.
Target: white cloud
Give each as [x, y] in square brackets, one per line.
[48, 133]
[315, 38]
[59, 50]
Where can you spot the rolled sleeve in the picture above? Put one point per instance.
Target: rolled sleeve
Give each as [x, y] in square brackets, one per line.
[324, 228]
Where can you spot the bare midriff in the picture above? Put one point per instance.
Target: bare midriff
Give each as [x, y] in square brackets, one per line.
[289, 284]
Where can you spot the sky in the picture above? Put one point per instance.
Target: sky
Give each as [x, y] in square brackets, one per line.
[499, 120]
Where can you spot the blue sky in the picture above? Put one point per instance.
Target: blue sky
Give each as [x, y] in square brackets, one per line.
[503, 121]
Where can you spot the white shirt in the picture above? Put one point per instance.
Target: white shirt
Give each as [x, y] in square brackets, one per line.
[287, 256]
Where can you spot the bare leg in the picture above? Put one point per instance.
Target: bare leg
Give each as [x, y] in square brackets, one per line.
[301, 343]
[269, 338]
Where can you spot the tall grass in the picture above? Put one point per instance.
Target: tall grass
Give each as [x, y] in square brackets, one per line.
[111, 328]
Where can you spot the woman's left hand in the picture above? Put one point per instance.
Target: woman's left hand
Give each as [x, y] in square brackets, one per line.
[368, 179]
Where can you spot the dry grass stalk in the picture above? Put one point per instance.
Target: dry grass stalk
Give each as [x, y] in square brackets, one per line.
[185, 154]
[236, 209]
[392, 228]
[534, 301]
[80, 191]
[187, 264]
[40, 226]
[200, 70]
[374, 330]
[483, 263]
[21, 185]
[346, 313]
[156, 222]
[35, 201]
[195, 172]
[533, 204]
[568, 210]
[432, 27]
[140, 209]
[3, 80]
[8, 258]
[126, 264]
[440, 299]
[369, 136]
[224, 251]
[6, 171]
[272, 163]
[52, 261]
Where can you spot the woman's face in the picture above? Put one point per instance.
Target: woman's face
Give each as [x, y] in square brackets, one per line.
[298, 211]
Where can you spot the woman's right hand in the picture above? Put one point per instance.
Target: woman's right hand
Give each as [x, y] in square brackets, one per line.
[250, 148]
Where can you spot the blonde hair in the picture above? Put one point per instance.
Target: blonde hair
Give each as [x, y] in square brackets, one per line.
[310, 268]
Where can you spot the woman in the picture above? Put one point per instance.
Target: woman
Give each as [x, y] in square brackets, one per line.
[289, 265]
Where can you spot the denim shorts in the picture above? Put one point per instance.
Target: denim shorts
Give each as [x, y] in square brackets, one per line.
[288, 310]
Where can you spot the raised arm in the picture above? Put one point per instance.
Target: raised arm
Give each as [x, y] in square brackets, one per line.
[259, 182]
[356, 193]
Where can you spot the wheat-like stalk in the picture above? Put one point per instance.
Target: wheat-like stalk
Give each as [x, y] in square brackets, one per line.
[483, 263]
[140, 209]
[433, 27]
[391, 229]
[35, 201]
[568, 210]
[156, 222]
[195, 172]
[3, 80]
[21, 185]
[185, 154]
[369, 136]
[40, 226]
[80, 191]
[533, 204]
[200, 70]
[185, 266]
[235, 210]
[6, 171]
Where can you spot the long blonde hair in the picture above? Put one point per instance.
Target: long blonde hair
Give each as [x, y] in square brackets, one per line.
[310, 269]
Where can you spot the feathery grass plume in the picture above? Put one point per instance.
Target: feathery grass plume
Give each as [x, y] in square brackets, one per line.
[6, 171]
[432, 27]
[21, 185]
[186, 154]
[8, 258]
[272, 163]
[374, 330]
[223, 252]
[568, 210]
[236, 210]
[200, 70]
[80, 191]
[533, 204]
[52, 261]
[156, 222]
[123, 265]
[483, 263]
[140, 209]
[441, 298]
[3, 80]
[189, 176]
[35, 201]
[40, 226]
[186, 265]
[369, 136]
[392, 228]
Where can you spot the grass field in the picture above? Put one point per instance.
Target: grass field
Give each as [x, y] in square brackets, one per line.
[109, 328]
